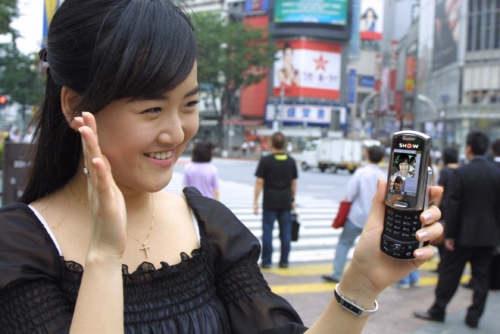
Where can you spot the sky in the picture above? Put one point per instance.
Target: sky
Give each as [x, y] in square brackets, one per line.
[29, 25]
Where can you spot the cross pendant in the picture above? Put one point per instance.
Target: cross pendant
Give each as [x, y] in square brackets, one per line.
[145, 249]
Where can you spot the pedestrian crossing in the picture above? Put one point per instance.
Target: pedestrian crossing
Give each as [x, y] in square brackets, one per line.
[317, 239]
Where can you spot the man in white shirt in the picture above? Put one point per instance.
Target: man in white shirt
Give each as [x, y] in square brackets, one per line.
[360, 191]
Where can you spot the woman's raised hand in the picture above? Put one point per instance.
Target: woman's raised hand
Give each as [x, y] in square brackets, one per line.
[377, 270]
[109, 216]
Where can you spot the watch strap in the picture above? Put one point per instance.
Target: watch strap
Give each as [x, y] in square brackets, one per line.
[351, 306]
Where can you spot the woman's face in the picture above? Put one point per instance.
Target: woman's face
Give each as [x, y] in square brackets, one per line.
[143, 139]
[288, 56]
[397, 185]
[403, 167]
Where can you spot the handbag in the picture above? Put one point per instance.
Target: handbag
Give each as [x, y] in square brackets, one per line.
[341, 218]
[295, 226]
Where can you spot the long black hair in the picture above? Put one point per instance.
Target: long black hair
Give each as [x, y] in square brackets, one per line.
[104, 50]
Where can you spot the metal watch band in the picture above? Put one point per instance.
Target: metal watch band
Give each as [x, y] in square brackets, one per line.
[351, 306]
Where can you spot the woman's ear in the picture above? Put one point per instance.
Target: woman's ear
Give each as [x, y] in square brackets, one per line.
[69, 101]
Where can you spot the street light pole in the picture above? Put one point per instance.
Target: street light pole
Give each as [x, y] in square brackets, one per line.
[444, 98]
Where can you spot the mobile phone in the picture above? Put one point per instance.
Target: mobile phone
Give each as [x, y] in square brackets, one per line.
[407, 193]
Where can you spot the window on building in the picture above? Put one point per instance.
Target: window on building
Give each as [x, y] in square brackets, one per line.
[483, 26]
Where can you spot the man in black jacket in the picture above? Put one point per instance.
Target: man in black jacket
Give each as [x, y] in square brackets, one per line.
[472, 230]
[277, 175]
[495, 148]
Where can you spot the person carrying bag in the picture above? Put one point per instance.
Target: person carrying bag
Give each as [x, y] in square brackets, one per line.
[352, 215]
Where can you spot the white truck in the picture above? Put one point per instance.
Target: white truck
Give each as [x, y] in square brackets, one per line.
[335, 154]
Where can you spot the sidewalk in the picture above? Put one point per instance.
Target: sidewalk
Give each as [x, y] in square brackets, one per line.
[304, 288]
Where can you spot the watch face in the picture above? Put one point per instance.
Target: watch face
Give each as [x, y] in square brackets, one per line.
[350, 307]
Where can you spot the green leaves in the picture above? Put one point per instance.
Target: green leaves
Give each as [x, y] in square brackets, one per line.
[18, 76]
[231, 55]
[8, 11]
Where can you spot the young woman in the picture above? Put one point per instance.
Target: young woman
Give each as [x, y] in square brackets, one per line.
[97, 246]
[200, 173]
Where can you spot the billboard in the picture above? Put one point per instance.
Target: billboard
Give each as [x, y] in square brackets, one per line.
[446, 33]
[307, 11]
[256, 5]
[371, 19]
[307, 68]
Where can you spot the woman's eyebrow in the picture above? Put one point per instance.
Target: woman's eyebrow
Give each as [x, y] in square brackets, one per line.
[162, 97]
[192, 92]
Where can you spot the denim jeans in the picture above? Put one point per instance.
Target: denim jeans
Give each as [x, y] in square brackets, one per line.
[285, 225]
[346, 240]
[411, 278]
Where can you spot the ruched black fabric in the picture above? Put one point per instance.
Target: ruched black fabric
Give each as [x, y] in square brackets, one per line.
[218, 288]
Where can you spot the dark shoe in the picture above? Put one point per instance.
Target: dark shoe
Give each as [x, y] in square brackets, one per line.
[428, 316]
[265, 266]
[329, 278]
[283, 265]
[467, 285]
[471, 323]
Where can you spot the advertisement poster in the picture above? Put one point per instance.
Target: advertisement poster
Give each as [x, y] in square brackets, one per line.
[256, 5]
[446, 33]
[308, 69]
[307, 11]
[371, 19]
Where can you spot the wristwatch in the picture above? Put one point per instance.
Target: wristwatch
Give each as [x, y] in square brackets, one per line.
[351, 306]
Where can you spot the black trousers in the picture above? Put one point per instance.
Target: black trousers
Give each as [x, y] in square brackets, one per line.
[451, 270]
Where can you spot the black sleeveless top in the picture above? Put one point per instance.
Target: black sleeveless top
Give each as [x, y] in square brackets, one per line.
[217, 289]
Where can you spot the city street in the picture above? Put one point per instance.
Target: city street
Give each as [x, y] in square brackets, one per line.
[318, 199]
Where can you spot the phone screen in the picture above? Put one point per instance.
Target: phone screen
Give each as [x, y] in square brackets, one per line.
[407, 174]
[404, 181]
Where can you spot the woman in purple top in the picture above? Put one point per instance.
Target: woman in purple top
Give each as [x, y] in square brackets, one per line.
[202, 174]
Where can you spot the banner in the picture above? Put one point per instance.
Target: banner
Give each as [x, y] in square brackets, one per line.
[446, 33]
[307, 11]
[49, 9]
[410, 74]
[307, 69]
[371, 19]
[300, 113]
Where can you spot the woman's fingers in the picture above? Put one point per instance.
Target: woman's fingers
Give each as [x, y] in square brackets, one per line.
[425, 253]
[435, 193]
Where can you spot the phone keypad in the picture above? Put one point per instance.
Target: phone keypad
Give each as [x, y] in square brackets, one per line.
[398, 239]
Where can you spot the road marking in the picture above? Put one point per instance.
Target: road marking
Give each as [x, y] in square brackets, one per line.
[325, 269]
[328, 287]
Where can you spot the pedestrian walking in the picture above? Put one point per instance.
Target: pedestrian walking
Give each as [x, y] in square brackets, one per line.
[97, 245]
[201, 173]
[277, 176]
[360, 190]
[472, 231]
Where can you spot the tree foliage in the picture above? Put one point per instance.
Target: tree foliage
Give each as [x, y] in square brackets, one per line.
[8, 11]
[232, 56]
[19, 76]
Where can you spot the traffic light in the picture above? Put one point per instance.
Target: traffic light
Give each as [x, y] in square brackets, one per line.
[3, 101]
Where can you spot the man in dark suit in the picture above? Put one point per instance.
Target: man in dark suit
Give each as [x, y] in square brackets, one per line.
[472, 230]
[495, 148]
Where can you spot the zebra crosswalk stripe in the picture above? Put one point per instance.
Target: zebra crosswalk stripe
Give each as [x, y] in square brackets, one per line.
[317, 239]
